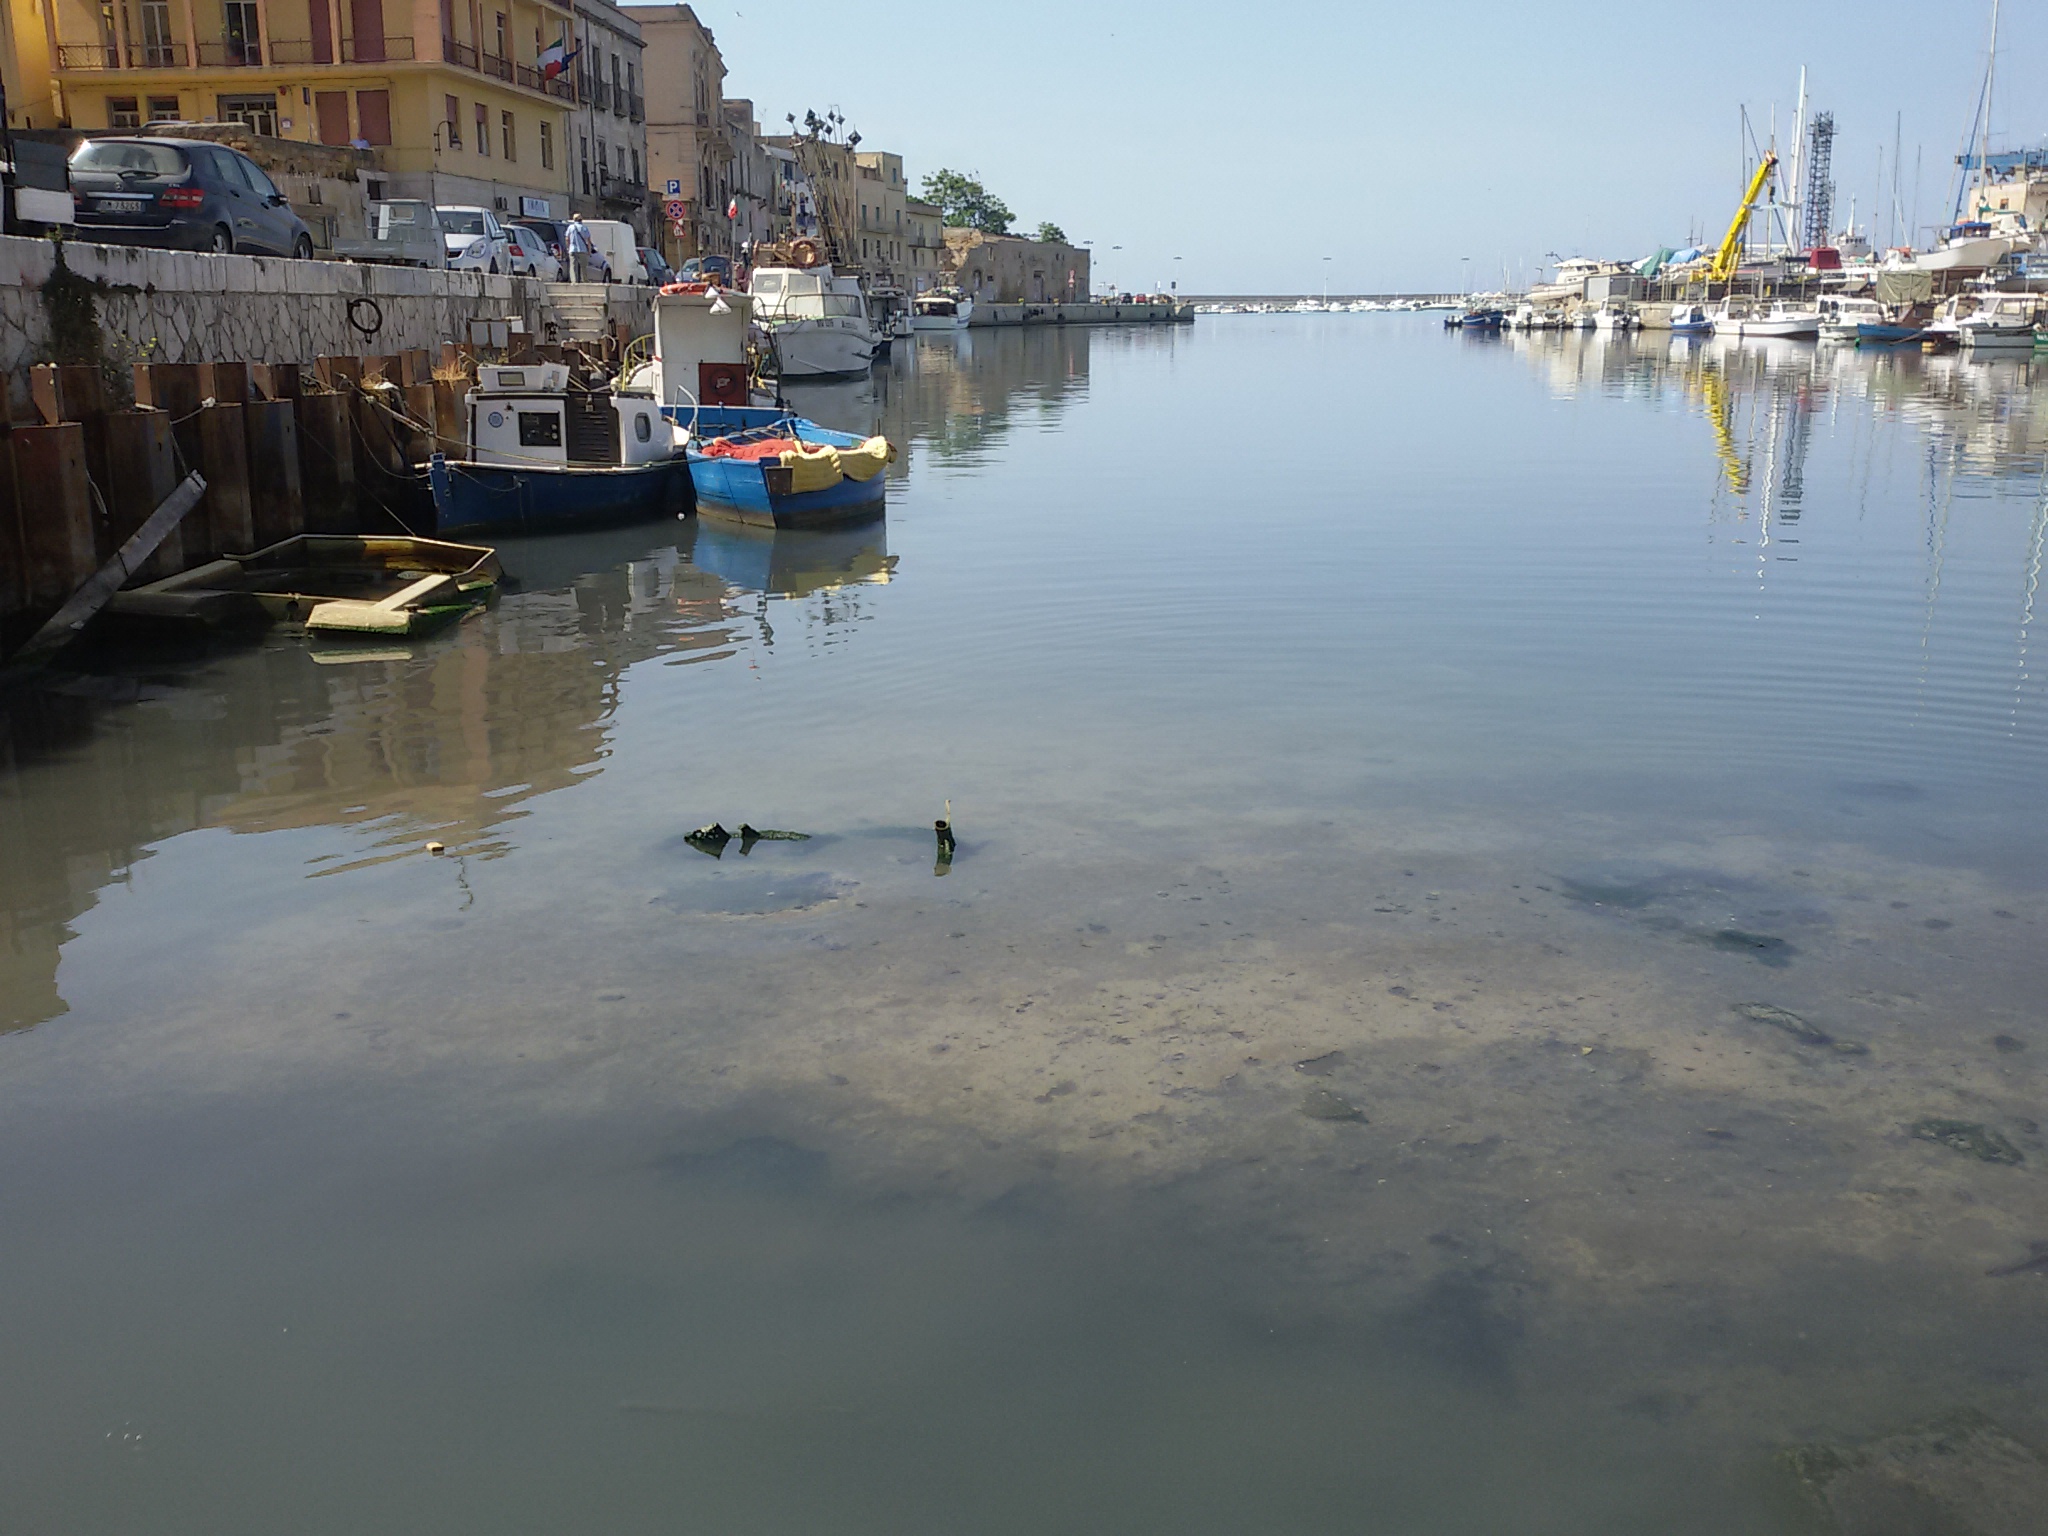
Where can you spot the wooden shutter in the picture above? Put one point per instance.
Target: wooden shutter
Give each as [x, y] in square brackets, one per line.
[331, 110]
[366, 18]
[323, 32]
[373, 115]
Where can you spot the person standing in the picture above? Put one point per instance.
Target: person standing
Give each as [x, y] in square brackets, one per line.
[577, 238]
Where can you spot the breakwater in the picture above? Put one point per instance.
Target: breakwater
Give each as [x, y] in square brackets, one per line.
[1160, 313]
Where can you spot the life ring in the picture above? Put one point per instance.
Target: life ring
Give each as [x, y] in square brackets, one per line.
[805, 253]
[684, 287]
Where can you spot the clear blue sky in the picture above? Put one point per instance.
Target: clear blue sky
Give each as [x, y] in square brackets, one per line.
[1254, 140]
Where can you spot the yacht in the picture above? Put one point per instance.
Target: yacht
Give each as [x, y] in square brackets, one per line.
[816, 323]
[944, 309]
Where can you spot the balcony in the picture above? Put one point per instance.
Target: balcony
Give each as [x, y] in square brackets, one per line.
[599, 96]
[101, 56]
[618, 189]
[376, 50]
[458, 53]
[636, 108]
[499, 69]
[294, 50]
[231, 53]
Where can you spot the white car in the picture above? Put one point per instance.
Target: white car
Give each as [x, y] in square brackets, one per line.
[530, 257]
[477, 242]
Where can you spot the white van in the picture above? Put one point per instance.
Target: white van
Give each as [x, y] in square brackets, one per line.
[616, 243]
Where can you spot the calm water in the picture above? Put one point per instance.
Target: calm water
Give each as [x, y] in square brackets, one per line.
[1384, 762]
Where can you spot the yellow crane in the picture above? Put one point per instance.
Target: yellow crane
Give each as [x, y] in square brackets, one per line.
[1730, 254]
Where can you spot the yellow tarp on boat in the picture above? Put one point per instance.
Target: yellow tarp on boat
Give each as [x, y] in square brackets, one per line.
[866, 461]
[821, 468]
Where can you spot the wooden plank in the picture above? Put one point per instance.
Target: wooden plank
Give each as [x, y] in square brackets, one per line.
[420, 405]
[225, 524]
[451, 421]
[276, 489]
[418, 367]
[141, 474]
[327, 463]
[133, 558]
[380, 365]
[56, 512]
[224, 383]
[274, 381]
[338, 372]
[66, 391]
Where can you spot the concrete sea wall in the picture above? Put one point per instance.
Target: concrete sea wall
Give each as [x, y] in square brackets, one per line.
[120, 305]
[1079, 314]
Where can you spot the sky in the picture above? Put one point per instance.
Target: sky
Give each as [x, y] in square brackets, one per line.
[1276, 147]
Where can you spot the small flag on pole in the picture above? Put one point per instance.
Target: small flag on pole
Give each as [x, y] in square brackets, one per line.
[732, 209]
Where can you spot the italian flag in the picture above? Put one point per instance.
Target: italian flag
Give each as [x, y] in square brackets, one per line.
[554, 59]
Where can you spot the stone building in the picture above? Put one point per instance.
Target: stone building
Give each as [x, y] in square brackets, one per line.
[1005, 269]
[688, 147]
[454, 98]
[609, 125]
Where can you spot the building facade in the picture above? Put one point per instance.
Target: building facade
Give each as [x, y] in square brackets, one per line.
[1004, 269]
[688, 146]
[608, 179]
[449, 93]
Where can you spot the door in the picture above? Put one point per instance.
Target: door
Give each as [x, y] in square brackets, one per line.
[274, 213]
[366, 20]
[240, 205]
[331, 109]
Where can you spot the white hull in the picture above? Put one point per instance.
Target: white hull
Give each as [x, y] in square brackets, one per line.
[1996, 337]
[822, 349]
[1783, 327]
[939, 323]
[1987, 252]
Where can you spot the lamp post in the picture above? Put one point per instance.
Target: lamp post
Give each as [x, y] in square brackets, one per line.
[1464, 276]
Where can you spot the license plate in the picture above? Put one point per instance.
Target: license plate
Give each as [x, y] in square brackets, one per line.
[120, 205]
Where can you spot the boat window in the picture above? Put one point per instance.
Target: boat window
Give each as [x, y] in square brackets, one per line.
[643, 429]
[767, 282]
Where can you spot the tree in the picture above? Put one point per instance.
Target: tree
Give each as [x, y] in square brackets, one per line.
[1052, 234]
[967, 204]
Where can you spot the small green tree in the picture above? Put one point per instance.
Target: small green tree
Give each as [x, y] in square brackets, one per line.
[967, 204]
[1052, 234]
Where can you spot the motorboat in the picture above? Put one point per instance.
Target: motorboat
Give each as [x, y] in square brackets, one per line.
[549, 453]
[1691, 320]
[2000, 322]
[1616, 315]
[942, 309]
[1842, 316]
[1749, 318]
[816, 322]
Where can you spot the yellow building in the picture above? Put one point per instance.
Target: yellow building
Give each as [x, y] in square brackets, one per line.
[448, 92]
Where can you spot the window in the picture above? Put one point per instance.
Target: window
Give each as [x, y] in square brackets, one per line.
[501, 36]
[547, 146]
[630, 84]
[604, 164]
[258, 113]
[158, 49]
[508, 135]
[586, 164]
[242, 37]
[483, 130]
[452, 114]
[163, 109]
[636, 167]
[123, 112]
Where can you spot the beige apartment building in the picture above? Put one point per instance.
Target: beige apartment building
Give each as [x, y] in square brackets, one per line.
[689, 148]
[449, 93]
[899, 237]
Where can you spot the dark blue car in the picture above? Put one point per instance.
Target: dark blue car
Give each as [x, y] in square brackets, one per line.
[182, 194]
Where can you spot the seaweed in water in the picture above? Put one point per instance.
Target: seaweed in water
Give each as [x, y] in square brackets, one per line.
[1321, 1066]
[1321, 1104]
[1799, 1029]
[1979, 1141]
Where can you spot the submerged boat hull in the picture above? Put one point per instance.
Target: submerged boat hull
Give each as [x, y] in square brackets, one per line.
[499, 500]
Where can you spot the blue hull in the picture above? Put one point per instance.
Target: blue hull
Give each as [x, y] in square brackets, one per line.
[1886, 335]
[495, 499]
[738, 489]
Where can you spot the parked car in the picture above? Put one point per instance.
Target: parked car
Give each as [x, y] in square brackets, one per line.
[550, 230]
[475, 240]
[182, 194]
[659, 272]
[530, 256]
[615, 243]
[402, 233]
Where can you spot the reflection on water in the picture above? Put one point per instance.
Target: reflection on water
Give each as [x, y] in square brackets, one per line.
[1493, 986]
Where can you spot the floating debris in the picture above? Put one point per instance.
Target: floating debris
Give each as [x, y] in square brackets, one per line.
[750, 835]
[711, 840]
[1321, 1104]
[1979, 1141]
[943, 829]
[437, 847]
[1799, 1029]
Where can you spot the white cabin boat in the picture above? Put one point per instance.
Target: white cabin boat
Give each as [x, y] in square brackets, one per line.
[943, 309]
[1750, 318]
[2000, 321]
[816, 323]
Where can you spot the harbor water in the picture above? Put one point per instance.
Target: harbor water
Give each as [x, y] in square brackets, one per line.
[1491, 979]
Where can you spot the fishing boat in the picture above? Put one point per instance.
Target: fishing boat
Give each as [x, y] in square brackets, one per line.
[1482, 319]
[942, 309]
[336, 584]
[1765, 318]
[2000, 322]
[816, 322]
[545, 454]
[775, 469]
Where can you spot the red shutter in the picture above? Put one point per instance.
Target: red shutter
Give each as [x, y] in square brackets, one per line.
[373, 115]
[323, 32]
[367, 18]
[331, 108]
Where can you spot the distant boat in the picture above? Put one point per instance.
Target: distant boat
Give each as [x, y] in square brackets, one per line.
[2000, 322]
[547, 456]
[942, 309]
[1691, 320]
[774, 469]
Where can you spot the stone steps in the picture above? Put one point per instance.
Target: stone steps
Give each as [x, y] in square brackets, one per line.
[581, 309]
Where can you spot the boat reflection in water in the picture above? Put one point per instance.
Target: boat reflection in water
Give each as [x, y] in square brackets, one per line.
[783, 562]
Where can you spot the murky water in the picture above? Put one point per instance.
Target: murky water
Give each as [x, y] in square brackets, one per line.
[1476, 858]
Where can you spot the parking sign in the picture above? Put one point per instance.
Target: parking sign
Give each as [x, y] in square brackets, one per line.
[675, 187]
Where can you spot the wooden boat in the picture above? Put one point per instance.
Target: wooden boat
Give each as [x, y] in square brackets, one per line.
[337, 584]
[775, 469]
[544, 455]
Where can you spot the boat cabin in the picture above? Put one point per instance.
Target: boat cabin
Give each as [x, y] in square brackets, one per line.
[805, 293]
[700, 349]
[530, 416]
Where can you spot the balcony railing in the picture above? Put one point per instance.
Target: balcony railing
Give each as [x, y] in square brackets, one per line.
[559, 87]
[375, 50]
[294, 50]
[636, 108]
[599, 95]
[104, 56]
[229, 54]
[458, 53]
[496, 67]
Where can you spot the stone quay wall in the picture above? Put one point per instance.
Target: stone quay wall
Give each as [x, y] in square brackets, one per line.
[1080, 314]
[118, 305]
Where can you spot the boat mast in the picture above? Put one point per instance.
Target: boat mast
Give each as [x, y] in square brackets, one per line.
[1990, 82]
[1794, 209]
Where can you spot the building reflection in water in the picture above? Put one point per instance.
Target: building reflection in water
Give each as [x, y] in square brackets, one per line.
[450, 738]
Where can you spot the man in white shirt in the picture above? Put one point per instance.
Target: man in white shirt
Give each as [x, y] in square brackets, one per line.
[577, 240]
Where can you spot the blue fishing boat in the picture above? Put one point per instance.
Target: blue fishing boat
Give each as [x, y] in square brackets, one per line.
[546, 456]
[775, 469]
[1886, 335]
